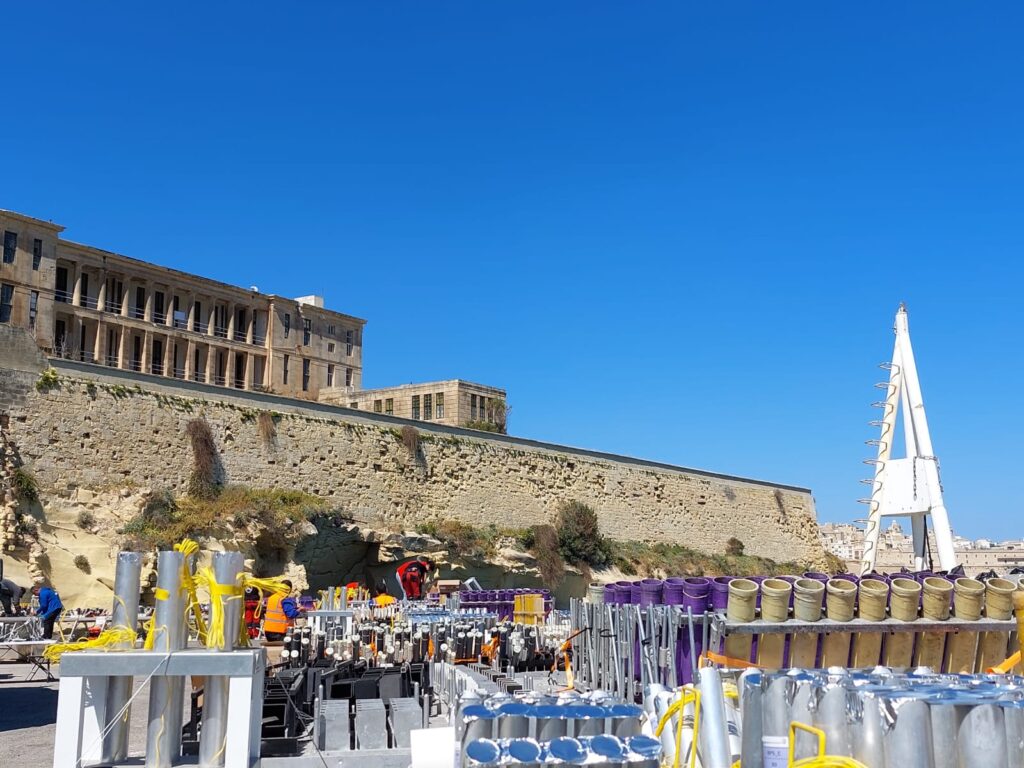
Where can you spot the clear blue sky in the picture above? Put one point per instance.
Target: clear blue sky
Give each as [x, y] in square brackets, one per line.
[673, 230]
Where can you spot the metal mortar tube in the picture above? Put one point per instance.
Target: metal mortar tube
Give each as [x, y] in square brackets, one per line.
[831, 716]
[119, 689]
[752, 751]
[982, 739]
[166, 694]
[1013, 720]
[908, 742]
[714, 734]
[213, 737]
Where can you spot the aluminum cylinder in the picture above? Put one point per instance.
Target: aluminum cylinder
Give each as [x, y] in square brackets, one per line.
[714, 733]
[227, 568]
[166, 694]
[751, 749]
[119, 689]
[982, 739]
[908, 742]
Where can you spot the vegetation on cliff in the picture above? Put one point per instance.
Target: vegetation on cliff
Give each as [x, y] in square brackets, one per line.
[166, 519]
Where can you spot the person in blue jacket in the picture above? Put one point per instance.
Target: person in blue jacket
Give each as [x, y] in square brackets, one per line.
[49, 608]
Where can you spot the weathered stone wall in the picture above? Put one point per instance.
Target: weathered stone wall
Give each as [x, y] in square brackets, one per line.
[99, 429]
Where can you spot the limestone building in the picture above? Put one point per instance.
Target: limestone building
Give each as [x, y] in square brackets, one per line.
[90, 305]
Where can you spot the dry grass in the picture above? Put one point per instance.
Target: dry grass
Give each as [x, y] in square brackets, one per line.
[267, 428]
[642, 559]
[411, 439]
[549, 561]
[204, 483]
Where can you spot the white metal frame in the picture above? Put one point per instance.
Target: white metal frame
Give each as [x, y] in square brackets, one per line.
[908, 486]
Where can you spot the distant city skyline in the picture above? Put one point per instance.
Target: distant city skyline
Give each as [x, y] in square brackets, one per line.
[678, 232]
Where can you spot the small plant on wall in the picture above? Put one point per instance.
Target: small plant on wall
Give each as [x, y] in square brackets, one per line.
[205, 480]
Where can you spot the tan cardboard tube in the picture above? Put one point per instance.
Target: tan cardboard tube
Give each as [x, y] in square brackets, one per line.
[904, 604]
[839, 598]
[775, 594]
[935, 607]
[995, 646]
[742, 607]
[1018, 613]
[962, 647]
[867, 646]
[807, 600]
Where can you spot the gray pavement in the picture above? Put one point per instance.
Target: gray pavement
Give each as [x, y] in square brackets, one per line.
[28, 712]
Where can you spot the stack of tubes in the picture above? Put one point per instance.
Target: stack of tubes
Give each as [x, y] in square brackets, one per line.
[534, 728]
[815, 596]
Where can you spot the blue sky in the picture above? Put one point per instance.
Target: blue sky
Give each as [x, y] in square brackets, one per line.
[672, 230]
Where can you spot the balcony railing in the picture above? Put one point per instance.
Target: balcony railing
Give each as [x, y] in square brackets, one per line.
[178, 373]
[219, 381]
[88, 302]
[160, 318]
[86, 356]
[199, 327]
[62, 296]
[135, 365]
[112, 361]
[157, 369]
[138, 313]
[239, 383]
[220, 332]
[113, 307]
[240, 336]
[259, 339]
[199, 376]
[179, 323]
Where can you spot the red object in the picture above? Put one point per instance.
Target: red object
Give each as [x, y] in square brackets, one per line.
[411, 575]
[252, 622]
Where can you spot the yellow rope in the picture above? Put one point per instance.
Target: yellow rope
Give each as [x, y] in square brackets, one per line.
[114, 638]
[188, 547]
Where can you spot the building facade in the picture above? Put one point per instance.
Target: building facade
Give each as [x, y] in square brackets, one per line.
[99, 307]
[90, 305]
[455, 403]
[896, 549]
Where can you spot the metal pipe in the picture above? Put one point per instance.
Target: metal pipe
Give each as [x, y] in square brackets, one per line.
[166, 694]
[125, 613]
[714, 735]
[982, 739]
[227, 567]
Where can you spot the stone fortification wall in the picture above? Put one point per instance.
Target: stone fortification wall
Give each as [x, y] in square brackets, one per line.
[96, 429]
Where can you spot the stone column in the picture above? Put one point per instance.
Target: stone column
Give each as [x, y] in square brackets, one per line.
[250, 328]
[232, 310]
[100, 347]
[147, 351]
[247, 381]
[76, 284]
[211, 364]
[169, 357]
[229, 368]
[147, 307]
[190, 356]
[212, 315]
[101, 294]
[122, 353]
[126, 295]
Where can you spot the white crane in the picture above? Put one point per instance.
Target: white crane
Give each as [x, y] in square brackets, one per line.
[908, 486]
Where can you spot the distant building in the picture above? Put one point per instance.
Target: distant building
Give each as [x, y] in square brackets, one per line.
[90, 305]
[896, 549]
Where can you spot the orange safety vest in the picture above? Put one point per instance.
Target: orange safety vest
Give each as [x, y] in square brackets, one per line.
[275, 619]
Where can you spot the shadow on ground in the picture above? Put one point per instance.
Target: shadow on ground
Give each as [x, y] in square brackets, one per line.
[27, 707]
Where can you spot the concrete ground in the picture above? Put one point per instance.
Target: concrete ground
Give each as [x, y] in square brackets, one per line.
[28, 713]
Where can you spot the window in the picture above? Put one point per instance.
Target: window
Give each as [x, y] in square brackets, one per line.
[307, 331]
[330, 375]
[37, 253]
[389, 406]
[33, 304]
[353, 405]
[330, 347]
[415, 406]
[285, 370]
[6, 300]
[472, 407]
[348, 377]
[305, 375]
[10, 246]
[428, 407]
[439, 402]
[378, 406]
[349, 340]
[287, 324]
[330, 330]
[197, 315]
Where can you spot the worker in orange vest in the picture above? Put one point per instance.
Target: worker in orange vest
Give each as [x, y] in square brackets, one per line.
[280, 614]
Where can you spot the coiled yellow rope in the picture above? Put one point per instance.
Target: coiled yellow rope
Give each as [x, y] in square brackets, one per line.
[188, 547]
[114, 638]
